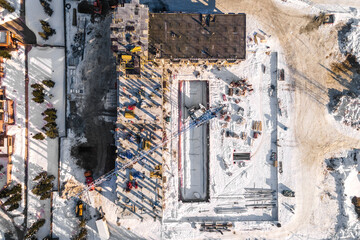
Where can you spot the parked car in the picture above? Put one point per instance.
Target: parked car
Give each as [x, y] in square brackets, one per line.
[288, 193]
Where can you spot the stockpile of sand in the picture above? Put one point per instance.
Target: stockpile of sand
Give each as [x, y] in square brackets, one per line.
[71, 188]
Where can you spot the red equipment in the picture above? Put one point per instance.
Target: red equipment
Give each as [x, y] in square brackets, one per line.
[89, 180]
[131, 107]
[130, 185]
[97, 7]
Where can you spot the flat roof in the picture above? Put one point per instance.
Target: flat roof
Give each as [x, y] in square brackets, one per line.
[197, 36]
[3, 36]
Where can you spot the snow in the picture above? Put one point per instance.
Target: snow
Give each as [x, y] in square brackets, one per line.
[338, 188]
[345, 114]
[65, 222]
[15, 90]
[44, 63]
[347, 111]
[350, 42]
[35, 13]
[179, 221]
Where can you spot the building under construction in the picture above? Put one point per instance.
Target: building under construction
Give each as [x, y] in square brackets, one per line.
[139, 39]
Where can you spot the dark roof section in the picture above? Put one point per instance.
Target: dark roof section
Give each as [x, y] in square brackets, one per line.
[197, 36]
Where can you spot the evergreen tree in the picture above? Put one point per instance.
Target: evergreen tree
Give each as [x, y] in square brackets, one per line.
[34, 228]
[6, 192]
[51, 125]
[40, 176]
[38, 99]
[47, 8]
[13, 199]
[38, 93]
[50, 111]
[43, 35]
[37, 86]
[45, 196]
[5, 53]
[6, 5]
[49, 83]
[82, 234]
[39, 136]
[50, 119]
[13, 207]
[52, 133]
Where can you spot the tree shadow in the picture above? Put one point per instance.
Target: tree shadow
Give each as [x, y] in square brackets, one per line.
[347, 74]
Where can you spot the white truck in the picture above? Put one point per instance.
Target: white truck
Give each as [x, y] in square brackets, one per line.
[103, 229]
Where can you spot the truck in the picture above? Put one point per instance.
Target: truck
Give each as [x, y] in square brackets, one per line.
[89, 179]
[79, 210]
[288, 193]
[102, 228]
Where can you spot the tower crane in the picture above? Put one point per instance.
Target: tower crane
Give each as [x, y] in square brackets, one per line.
[201, 116]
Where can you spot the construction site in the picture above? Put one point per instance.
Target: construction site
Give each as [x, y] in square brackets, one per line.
[192, 119]
[173, 69]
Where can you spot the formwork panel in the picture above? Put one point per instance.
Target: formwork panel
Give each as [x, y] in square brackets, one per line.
[197, 36]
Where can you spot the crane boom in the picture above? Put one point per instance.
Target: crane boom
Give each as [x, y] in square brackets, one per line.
[207, 116]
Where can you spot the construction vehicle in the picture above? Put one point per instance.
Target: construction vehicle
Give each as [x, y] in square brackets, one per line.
[130, 112]
[273, 156]
[329, 19]
[79, 209]
[102, 228]
[89, 180]
[131, 63]
[130, 185]
[207, 116]
[146, 145]
[136, 49]
[281, 75]
[196, 111]
[97, 7]
[157, 173]
[288, 193]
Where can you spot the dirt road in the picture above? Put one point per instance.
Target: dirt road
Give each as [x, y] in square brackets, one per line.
[305, 54]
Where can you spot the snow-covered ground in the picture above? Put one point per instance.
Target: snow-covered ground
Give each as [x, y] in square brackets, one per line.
[44, 63]
[35, 13]
[335, 217]
[14, 82]
[262, 172]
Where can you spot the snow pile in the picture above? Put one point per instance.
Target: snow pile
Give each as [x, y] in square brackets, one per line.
[347, 111]
[345, 171]
[349, 38]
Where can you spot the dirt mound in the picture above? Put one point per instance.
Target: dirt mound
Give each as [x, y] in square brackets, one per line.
[71, 188]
